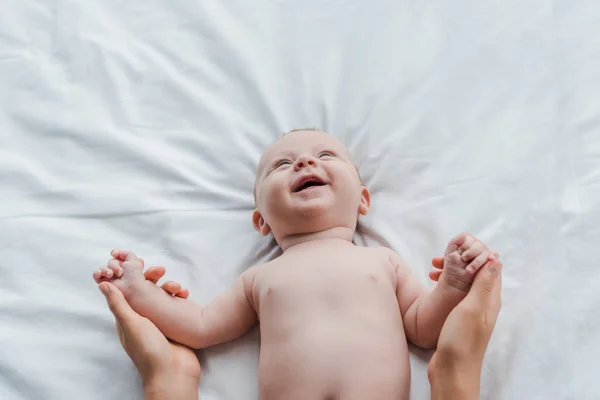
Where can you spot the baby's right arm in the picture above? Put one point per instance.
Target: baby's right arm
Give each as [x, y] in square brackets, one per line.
[227, 317]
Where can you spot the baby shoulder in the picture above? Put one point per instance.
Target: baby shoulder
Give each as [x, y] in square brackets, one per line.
[389, 260]
[251, 278]
[388, 256]
[250, 275]
[395, 262]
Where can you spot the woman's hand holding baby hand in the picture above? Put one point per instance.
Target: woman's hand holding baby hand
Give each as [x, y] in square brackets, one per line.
[125, 269]
[464, 256]
[168, 370]
[455, 368]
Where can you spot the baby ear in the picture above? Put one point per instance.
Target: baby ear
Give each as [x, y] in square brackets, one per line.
[365, 201]
[259, 223]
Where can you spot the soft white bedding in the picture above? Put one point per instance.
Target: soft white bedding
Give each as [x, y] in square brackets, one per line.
[138, 124]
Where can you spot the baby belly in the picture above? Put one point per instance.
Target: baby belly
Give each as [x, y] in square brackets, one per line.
[320, 365]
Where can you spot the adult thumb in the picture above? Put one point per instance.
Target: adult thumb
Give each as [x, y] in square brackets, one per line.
[486, 287]
[117, 303]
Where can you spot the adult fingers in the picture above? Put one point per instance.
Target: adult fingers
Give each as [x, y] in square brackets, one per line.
[496, 299]
[438, 262]
[117, 304]
[171, 287]
[175, 289]
[484, 291]
[153, 274]
[435, 275]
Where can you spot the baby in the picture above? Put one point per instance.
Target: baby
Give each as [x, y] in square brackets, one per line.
[334, 317]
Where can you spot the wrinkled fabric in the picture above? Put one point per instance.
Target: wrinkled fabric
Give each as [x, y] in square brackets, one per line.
[139, 125]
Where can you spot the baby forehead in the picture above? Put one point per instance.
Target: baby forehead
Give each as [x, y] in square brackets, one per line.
[301, 142]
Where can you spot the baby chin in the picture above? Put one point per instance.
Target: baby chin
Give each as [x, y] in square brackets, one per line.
[312, 202]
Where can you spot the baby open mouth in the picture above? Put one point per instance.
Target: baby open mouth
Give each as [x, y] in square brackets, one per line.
[308, 182]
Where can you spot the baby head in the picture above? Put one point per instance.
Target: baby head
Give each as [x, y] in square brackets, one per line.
[306, 183]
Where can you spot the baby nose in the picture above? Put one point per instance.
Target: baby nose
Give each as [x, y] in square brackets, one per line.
[304, 161]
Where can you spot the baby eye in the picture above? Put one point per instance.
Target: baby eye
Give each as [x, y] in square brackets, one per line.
[281, 162]
[325, 154]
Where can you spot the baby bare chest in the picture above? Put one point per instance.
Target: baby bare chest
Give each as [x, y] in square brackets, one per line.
[325, 278]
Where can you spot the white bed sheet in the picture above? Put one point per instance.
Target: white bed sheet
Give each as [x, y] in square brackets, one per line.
[139, 124]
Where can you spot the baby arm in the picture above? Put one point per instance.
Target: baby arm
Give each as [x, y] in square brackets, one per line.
[424, 312]
[227, 317]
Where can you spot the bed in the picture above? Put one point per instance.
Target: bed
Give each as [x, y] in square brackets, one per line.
[139, 125]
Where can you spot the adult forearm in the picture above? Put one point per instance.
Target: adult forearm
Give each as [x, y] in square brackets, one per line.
[171, 387]
[446, 385]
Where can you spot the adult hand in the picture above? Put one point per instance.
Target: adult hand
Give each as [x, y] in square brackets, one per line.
[464, 337]
[157, 359]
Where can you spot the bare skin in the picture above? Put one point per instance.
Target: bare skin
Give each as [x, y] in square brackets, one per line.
[335, 318]
[171, 371]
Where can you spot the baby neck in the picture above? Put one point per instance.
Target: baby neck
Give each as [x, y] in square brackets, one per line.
[341, 233]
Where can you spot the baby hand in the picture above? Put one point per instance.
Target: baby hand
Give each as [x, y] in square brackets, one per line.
[462, 259]
[153, 274]
[123, 270]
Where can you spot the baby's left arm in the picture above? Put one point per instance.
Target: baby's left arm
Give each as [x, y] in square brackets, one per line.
[424, 312]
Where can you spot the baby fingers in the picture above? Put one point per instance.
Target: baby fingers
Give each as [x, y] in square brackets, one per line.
[476, 249]
[124, 255]
[468, 242]
[478, 261]
[102, 274]
[116, 267]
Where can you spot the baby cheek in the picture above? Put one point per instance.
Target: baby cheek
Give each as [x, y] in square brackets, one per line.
[274, 192]
[271, 182]
[279, 186]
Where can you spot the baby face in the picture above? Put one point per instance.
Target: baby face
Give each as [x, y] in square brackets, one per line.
[306, 182]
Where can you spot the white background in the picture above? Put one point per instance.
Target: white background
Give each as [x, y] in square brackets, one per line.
[139, 124]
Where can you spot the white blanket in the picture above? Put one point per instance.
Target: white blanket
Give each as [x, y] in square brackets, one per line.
[138, 124]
